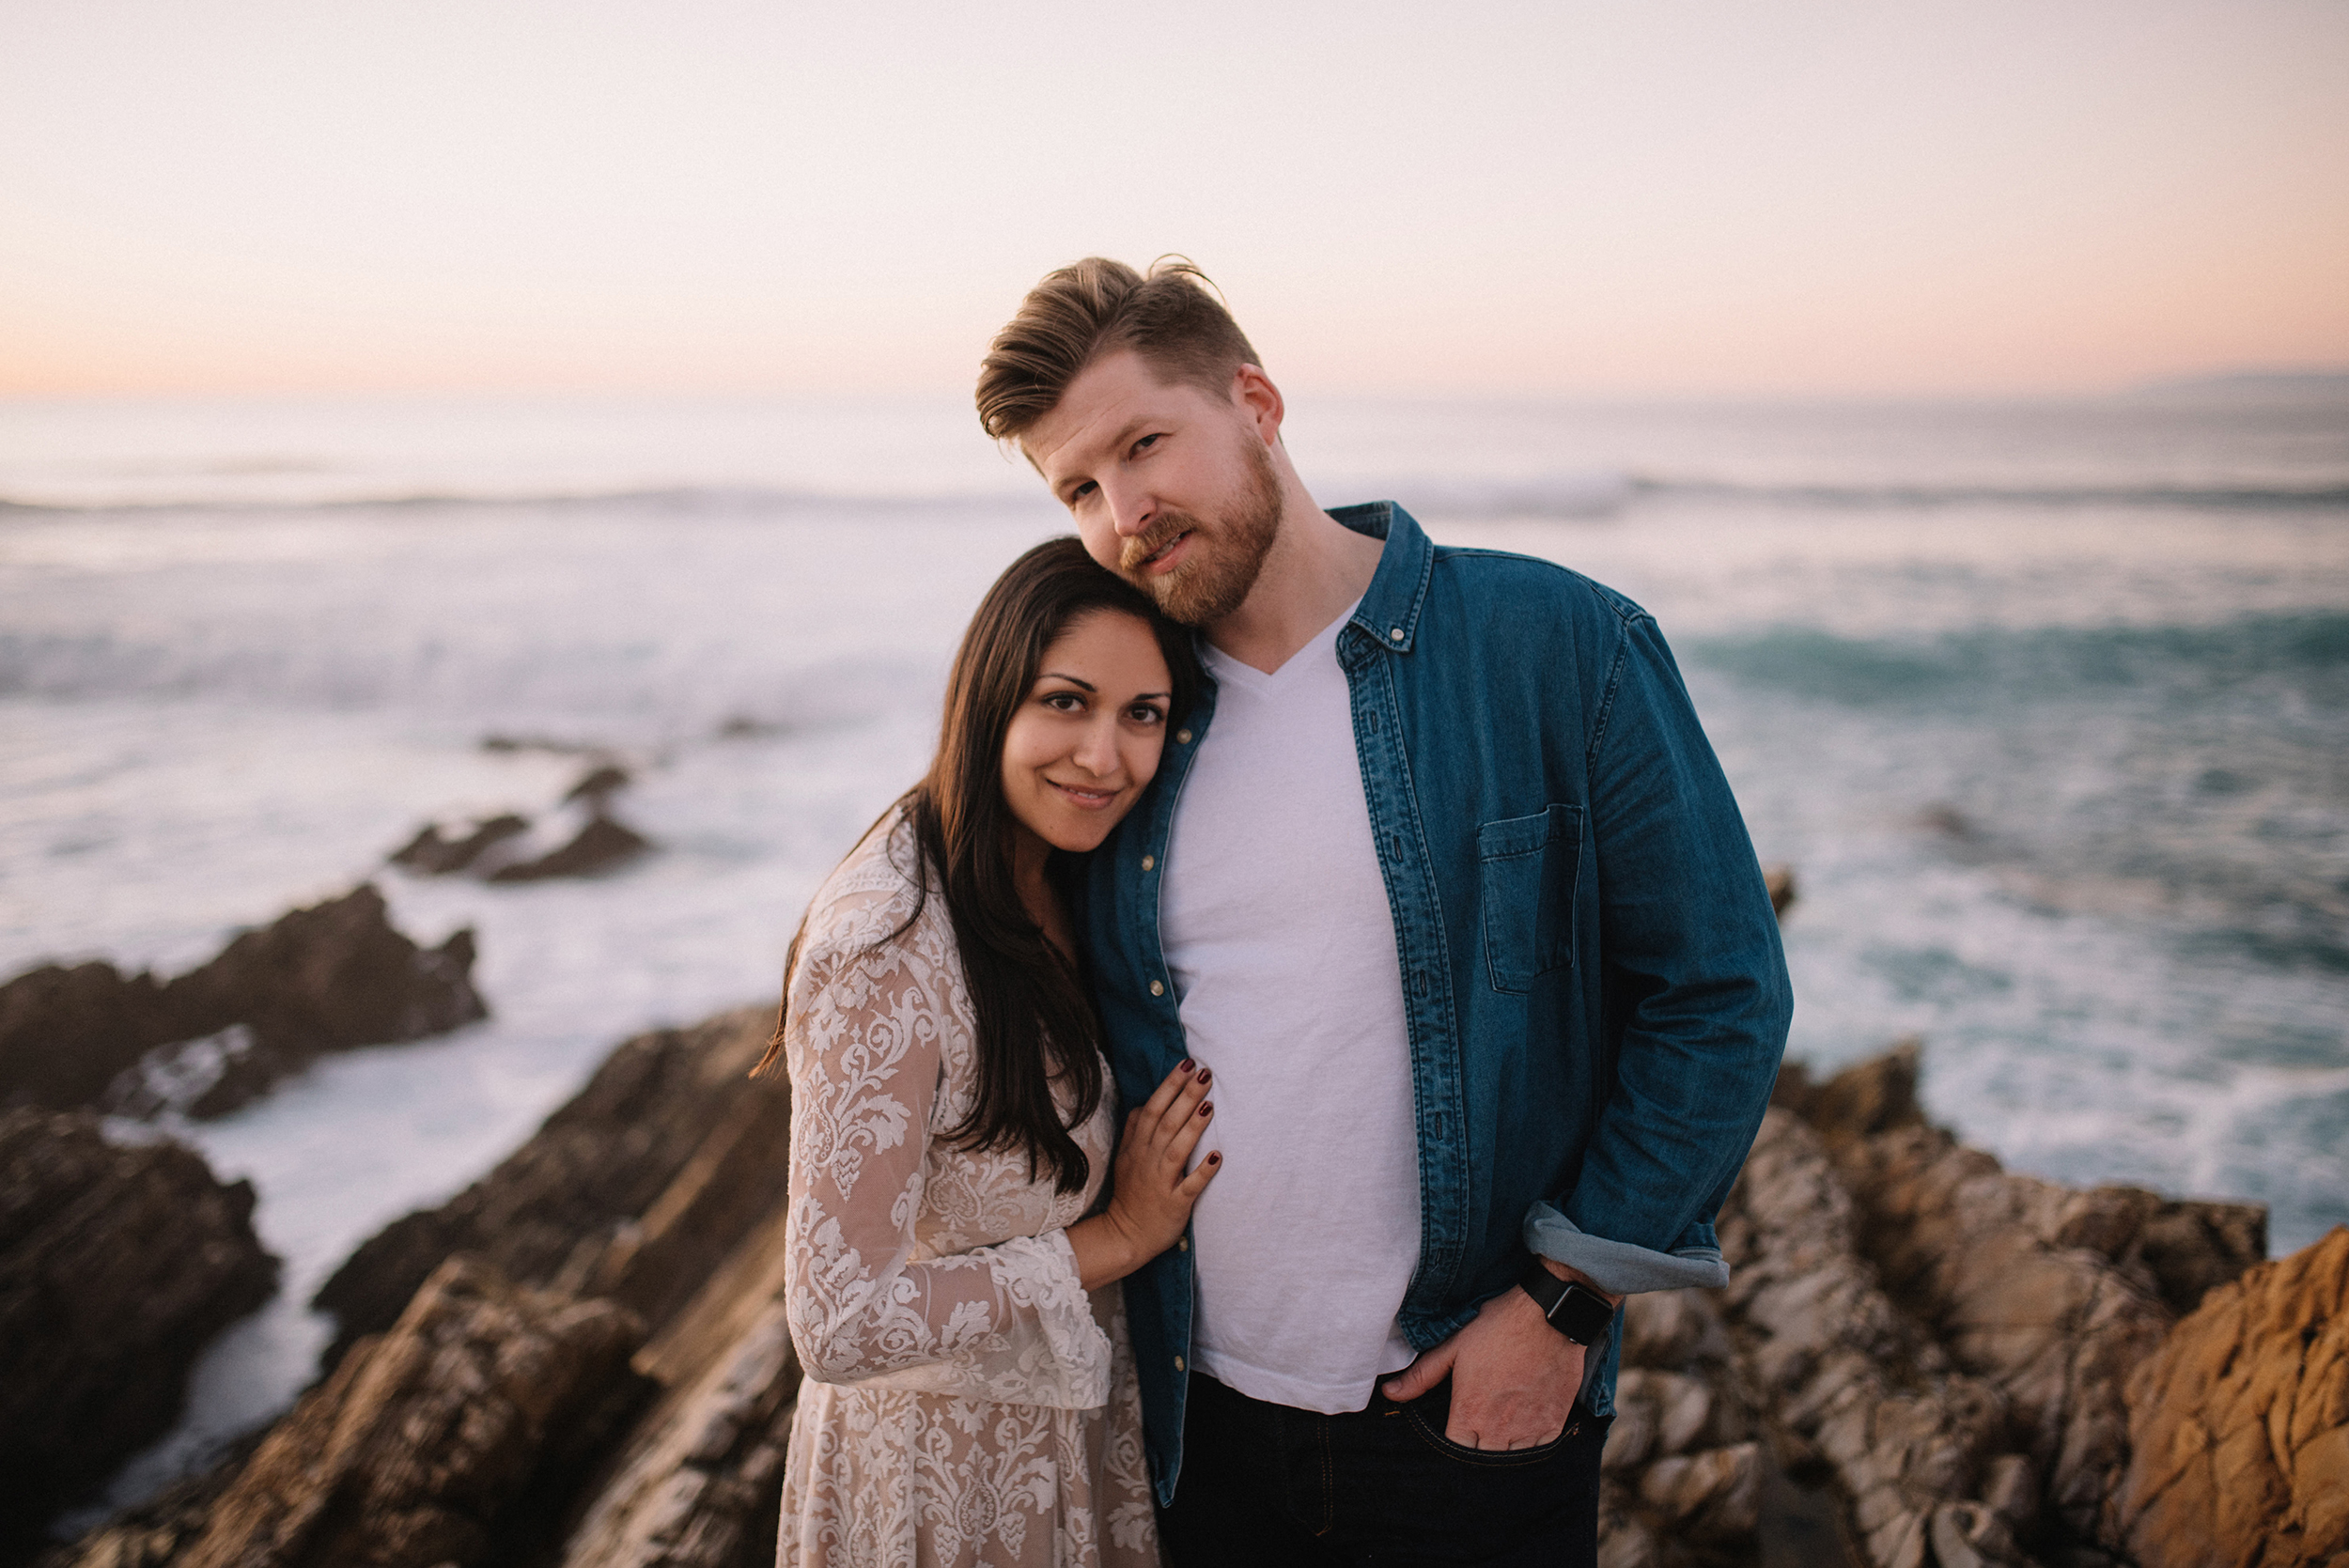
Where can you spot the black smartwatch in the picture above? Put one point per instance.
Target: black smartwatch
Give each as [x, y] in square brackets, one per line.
[1571, 1307]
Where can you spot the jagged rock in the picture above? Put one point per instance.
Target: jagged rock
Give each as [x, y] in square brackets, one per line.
[324, 978]
[118, 1263]
[1997, 1265]
[1868, 1097]
[697, 1482]
[1838, 1363]
[435, 853]
[423, 1446]
[1672, 1330]
[2239, 1424]
[1661, 1414]
[636, 1188]
[1708, 1498]
[153, 1533]
[600, 845]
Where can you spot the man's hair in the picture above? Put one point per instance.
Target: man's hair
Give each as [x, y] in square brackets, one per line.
[1098, 306]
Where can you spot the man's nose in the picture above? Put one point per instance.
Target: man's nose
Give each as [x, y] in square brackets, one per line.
[1132, 507]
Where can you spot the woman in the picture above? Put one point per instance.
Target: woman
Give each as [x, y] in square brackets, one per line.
[971, 1393]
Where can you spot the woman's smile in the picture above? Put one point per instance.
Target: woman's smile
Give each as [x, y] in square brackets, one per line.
[1081, 748]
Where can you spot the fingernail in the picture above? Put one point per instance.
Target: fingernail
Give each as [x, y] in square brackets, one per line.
[1206, 1075]
[1183, 1066]
[1206, 1106]
[1216, 1159]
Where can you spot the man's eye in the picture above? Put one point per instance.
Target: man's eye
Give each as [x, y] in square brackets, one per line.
[1080, 492]
[1145, 443]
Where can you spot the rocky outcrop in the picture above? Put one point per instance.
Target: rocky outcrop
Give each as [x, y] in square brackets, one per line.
[1914, 1442]
[2238, 1425]
[635, 1190]
[492, 848]
[697, 1482]
[325, 978]
[427, 1445]
[118, 1263]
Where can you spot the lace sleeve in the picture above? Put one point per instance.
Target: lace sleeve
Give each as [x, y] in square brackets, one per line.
[1010, 1322]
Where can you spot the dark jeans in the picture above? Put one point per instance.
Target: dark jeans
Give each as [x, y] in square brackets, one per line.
[1269, 1484]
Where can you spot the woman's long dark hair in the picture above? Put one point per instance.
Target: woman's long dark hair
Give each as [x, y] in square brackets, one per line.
[1035, 1019]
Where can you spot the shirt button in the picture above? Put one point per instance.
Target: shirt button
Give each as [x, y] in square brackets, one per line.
[1148, 860]
[1158, 989]
[1182, 736]
[1395, 633]
[1178, 1363]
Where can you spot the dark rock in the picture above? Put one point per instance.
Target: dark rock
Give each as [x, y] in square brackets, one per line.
[66, 1033]
[598, 786]
[433, 853]
[117, 1264]
[600, 845]
[635, 1190]
[698, 1481]
[426, 1446]
[325, 978]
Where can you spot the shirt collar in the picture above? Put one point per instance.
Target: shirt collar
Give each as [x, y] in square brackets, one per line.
[1389, 610]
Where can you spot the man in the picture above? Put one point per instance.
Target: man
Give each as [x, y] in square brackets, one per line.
[1444, 886]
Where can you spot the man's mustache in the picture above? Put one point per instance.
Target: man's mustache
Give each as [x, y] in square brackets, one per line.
[1161, 533]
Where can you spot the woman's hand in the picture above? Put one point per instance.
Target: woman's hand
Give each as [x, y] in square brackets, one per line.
[1150, 1197]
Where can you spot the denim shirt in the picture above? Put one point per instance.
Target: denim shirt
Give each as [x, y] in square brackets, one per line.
[1591, 980]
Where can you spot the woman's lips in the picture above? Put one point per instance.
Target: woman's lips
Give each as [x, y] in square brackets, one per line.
[1085, 799]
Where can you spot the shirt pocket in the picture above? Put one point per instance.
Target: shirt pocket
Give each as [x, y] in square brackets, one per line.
[1529, 866]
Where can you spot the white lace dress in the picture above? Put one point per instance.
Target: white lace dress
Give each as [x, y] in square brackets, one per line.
[966, 1401]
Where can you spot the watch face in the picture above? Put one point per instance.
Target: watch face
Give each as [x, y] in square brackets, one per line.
[1582, 1314]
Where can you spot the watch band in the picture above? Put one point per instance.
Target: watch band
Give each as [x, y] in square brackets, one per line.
[1569, 1306]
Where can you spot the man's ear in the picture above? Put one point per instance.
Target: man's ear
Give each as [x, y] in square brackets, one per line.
[1258, 402]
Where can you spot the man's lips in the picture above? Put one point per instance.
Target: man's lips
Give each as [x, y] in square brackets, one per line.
[1163, 559]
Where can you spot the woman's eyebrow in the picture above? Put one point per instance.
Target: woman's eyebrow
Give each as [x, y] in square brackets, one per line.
[1073, 681]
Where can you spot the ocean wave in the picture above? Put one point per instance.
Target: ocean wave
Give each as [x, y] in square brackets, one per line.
[1558, 497]
[2306, 651]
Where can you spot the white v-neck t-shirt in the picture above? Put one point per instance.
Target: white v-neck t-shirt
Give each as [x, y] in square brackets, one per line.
[1281, 945]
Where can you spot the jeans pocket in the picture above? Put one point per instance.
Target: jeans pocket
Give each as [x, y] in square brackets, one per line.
[1528, 869]
[1429, 1414]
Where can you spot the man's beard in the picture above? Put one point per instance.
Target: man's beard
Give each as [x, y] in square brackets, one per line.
[1224, 560]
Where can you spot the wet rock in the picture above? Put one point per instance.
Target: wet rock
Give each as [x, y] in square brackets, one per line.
[1711, 1497]
[2239, 1423]
[600, 845]
[437, 852]
[324, 978]
[426, 1446]
[1868, 1097]
[117, 1264]
[635, 1190]
[598, 784]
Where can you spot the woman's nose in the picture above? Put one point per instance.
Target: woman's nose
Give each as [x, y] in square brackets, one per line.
[1096, 749]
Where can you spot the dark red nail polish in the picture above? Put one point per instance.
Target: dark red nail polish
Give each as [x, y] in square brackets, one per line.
[1206, 1075]
[1206, 1106]
[1183, 1066]
[1215, 1159]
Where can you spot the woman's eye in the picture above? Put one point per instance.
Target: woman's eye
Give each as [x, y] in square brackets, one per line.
[1063, 702]
[1143, 713]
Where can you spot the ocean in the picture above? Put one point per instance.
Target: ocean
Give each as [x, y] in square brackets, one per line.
[2047, 705]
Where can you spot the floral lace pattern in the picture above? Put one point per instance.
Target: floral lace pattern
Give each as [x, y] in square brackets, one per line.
[967, 1402]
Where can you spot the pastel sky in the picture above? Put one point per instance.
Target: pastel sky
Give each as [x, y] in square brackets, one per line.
[1600, 198]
